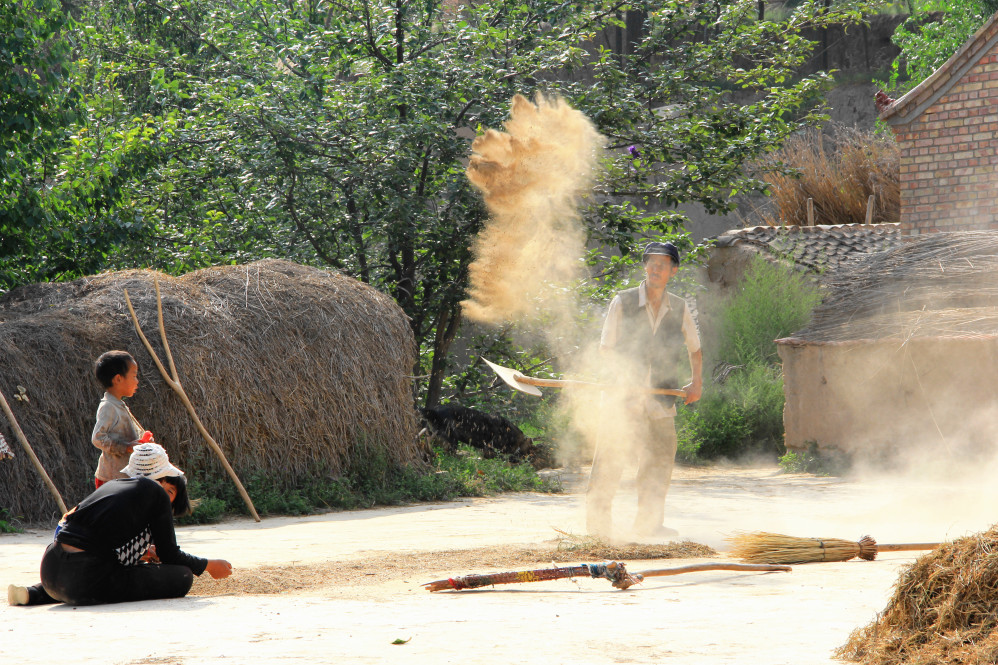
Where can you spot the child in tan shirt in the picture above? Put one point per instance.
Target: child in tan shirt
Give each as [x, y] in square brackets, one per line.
[116, 430]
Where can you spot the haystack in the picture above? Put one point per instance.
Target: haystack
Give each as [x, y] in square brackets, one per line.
[944, 610]
[294, 371]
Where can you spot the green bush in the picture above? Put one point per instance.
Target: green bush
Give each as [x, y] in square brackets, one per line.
[830, 463]
[715, 428]
[370, 480]
[771, 302]
[744, 415]
[9, 523]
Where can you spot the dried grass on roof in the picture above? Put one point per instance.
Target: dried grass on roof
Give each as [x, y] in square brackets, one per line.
[290, 368]
[838, 173]
[935, 285]
[944, 610]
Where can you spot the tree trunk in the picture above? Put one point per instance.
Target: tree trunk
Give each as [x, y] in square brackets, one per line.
[448, 323]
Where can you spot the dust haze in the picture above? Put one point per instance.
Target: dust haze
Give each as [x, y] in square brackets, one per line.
[899, 374]
[533, 176]
[915, 420]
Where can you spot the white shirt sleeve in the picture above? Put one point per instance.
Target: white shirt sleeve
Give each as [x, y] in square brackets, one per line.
[690, 332]
[611, 324]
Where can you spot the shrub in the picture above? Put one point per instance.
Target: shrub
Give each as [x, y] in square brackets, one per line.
[370, 480]
[742, 413]
[830, 463]
[742, 416]
[716, 428]
[771, 302]
[9, 523]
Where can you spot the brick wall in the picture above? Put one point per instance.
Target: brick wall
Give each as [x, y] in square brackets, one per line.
[949, 154]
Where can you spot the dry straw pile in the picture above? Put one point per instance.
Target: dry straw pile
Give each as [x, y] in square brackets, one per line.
[944, 610]
[935, 285]
[839, 173]
[291, 369]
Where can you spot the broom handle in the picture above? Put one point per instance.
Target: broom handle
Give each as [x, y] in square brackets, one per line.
[907, 547]
[31, 453]
[562, 383]
[697, 567]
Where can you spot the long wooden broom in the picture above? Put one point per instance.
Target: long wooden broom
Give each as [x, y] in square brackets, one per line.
[765, 547]
[611, 570]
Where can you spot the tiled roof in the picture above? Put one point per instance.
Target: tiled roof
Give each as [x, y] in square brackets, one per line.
[940, 81]
[933, 285]
[823, 247]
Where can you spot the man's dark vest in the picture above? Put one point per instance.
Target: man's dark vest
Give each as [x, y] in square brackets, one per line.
[664, 352]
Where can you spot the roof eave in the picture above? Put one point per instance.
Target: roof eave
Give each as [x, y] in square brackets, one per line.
[937, 84]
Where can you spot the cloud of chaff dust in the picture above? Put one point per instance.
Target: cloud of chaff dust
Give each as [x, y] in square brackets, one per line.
[532, 176]
[896, 376]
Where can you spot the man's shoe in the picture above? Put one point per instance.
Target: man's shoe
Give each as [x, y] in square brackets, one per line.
[17, 595]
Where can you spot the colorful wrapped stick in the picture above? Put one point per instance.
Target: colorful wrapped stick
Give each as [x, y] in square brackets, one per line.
[611, 570]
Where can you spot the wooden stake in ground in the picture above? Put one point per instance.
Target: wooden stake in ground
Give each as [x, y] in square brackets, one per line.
[173, 381]
[764, 547]
[611, 570]
[31, 453]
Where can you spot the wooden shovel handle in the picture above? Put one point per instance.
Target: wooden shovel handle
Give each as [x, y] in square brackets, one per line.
[763, 567]
[907, 547]
[561, 383]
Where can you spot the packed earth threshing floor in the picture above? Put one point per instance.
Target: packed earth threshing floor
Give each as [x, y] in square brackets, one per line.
[346, 587]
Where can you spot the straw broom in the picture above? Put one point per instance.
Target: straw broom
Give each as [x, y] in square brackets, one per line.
[764, 547]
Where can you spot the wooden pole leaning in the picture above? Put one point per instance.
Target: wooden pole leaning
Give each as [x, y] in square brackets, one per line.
[31, 453]
[173, 380]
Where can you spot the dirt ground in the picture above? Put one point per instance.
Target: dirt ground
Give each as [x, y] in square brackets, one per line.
[346, 586]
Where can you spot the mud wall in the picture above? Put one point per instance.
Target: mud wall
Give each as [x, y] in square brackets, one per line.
[879, 399]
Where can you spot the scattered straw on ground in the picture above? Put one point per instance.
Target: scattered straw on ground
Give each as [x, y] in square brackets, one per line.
[944, 610]
[381, 567]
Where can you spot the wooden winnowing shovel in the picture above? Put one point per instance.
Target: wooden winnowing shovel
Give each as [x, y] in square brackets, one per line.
[528, 384]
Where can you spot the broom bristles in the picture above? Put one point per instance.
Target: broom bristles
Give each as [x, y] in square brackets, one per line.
[765, 547]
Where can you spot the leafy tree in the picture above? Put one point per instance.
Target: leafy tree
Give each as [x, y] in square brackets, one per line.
[936, 29]
[336, 133]
[35, 106]
[64, 168]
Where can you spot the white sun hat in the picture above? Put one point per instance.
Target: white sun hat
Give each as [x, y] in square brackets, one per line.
[149, 460]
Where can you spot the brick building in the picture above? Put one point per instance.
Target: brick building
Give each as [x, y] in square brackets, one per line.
[899, 361]
[947, 129]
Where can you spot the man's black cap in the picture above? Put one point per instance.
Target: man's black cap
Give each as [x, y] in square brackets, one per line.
[664, 248]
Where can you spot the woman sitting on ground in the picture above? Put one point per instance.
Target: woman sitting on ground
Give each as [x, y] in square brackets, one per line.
[99, 547]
